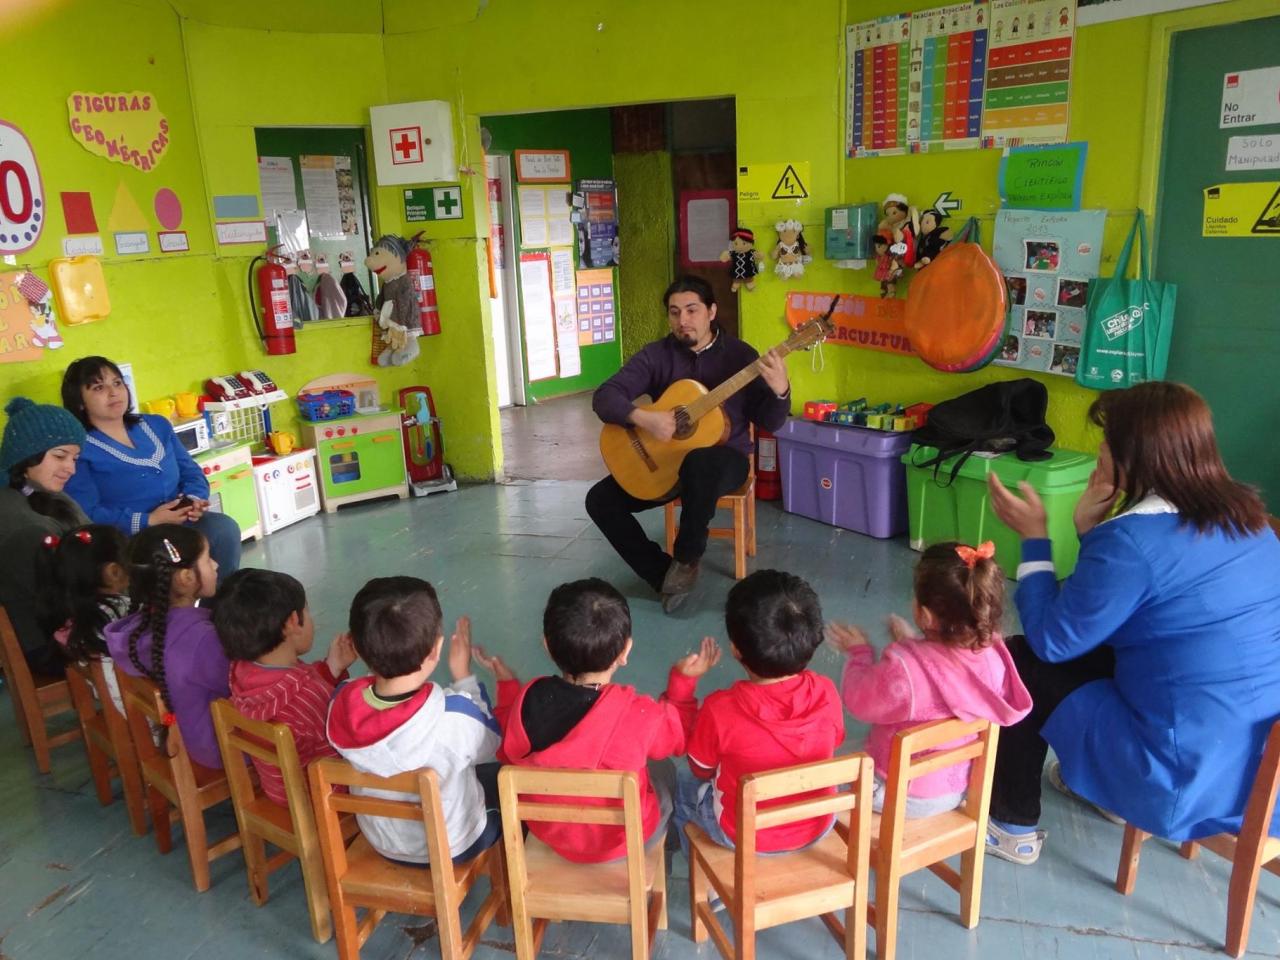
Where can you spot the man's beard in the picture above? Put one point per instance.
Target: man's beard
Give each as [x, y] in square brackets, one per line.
[687, 339]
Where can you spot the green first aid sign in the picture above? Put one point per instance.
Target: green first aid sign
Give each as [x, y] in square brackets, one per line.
[433, 203]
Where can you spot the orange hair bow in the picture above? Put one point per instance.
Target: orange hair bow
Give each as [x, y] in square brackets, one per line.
[971, 555]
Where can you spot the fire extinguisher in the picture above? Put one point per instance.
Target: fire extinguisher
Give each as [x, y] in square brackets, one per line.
[768, 480]
[271, 313]
[423, 278]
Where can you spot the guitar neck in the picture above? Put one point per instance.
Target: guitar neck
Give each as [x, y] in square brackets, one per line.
[720, 394]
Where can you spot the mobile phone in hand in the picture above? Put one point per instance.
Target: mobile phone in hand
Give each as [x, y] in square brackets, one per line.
[184, 501]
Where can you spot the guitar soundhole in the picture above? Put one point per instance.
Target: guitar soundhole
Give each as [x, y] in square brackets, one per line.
[684, 425]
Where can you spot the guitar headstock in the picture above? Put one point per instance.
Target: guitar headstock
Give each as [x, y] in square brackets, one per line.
[814, 330]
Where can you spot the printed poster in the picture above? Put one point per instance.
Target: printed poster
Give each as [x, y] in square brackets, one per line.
[879, 54]
[321, 196]
[1028, 89]
[595, 307]
[536, 306]
[563, 293]
[947, 76]
[1242, 210]
[276, 184]
[1048, 259]
[597, 224]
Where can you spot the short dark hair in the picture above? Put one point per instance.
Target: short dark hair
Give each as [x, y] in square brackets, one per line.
[775, 621]
[395, 622]
[251, 610]
[587, 624]
[690, 284]
[83, 373]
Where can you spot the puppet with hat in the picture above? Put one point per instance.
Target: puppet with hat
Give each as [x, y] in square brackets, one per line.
[397, 324]
[743, 259]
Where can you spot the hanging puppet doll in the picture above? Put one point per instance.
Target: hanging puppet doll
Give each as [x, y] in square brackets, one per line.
[358, 302]
[888, 267]
[397, 323]
[896, 228]
[933, 237]
[743, 258]
[791, 251]
[44, 332]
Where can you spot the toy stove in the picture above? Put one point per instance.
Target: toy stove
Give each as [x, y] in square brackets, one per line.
[287, 488]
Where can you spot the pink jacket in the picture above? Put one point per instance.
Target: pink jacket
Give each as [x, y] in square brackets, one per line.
[917, 681]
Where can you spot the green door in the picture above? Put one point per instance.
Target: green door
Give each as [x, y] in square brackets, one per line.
[1226, 334]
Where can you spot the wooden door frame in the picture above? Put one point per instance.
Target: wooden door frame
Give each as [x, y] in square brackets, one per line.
[1163, 28]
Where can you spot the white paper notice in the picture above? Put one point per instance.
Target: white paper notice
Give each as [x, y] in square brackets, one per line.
[562, 281]
[1261, 152]
[1250, 98]
[533, 217]
[539, 318]
[708, 229]
[173, 241]
[320, 194]
[567, 351]
[133, 242]
[559, 217]
[242, 231]
[82, 246]
[275, 182]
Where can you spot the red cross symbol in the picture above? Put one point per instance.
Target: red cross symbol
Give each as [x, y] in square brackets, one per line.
[406, 145]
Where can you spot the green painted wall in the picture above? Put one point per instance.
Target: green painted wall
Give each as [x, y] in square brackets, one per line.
[646, 238]
[588, 136]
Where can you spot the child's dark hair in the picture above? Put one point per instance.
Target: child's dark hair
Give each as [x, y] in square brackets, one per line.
[395, 622]
[84, 373]
[251, 610]
[155, 555]
[71, 585]
[775, 621]
[587, 624]
[966, 600]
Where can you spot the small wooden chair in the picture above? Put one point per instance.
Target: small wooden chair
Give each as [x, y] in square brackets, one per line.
[901, 846]
[35, 698]
[360, 877]
[1250, 852]
[743, 530]
[762, 892]
[544, 886]
[291, 828]
[178, 790]
[106, 740]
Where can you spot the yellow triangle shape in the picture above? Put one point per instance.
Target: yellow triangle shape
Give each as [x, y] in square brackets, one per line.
[125, 212]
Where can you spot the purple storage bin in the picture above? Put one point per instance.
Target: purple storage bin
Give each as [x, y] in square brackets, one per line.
[851, 477]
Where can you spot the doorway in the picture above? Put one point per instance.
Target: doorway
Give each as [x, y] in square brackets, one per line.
[1226, 335]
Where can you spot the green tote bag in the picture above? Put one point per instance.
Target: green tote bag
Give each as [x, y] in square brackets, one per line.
[1128, 323]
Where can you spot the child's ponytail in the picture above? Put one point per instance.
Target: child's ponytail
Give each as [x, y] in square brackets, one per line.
[963, 587]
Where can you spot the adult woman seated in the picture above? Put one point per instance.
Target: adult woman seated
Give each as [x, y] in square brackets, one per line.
[1155, 666]
[133, 470]
[37, 457]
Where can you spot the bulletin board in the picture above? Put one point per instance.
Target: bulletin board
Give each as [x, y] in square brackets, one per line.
[329, 171]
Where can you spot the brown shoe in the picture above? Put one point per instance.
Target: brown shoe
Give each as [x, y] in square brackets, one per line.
[677, 583]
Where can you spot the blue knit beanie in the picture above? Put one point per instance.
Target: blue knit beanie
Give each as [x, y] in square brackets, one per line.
[34, 428]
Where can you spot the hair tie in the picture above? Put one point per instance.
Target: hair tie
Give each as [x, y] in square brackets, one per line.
[174, 555]
[84, 536]
[168, 719]
[51, 541]
[971, 555]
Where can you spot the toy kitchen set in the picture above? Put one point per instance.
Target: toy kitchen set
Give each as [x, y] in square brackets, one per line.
[353, 448]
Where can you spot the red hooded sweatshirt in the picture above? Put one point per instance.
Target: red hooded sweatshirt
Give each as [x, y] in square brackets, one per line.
[623, 730]
[763, 726]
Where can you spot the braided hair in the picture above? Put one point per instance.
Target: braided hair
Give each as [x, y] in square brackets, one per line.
[966, 596]
[71, 586]
[155, 555]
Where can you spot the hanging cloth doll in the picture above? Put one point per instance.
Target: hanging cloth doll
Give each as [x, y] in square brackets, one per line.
[358, 302]
[791, 251]
[330, 300]
[398, 320]
[933, 237]
[743, 259]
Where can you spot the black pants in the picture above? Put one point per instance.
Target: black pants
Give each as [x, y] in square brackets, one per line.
[1015, 794]
[706, 475]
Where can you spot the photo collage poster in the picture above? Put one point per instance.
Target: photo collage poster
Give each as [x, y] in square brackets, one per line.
[1048, 259]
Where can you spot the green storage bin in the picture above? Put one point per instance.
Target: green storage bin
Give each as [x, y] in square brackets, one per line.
[938, 510]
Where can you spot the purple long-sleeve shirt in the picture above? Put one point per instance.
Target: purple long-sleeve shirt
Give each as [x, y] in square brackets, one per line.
[195, 669]
[665, 361]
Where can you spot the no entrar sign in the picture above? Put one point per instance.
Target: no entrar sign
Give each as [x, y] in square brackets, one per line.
[1250, 97]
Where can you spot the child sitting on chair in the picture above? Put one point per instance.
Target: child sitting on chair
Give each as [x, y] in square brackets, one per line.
[955, 665]
[582, 719]
[264, 625]
[397, 720]
[783, 714]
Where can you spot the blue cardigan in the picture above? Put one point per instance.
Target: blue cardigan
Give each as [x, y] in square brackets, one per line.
[1173, 743]
[121, 485]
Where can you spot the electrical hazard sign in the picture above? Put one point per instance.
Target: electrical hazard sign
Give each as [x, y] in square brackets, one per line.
[773, 181]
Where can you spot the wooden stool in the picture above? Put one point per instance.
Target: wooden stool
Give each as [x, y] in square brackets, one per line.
[1250, 852]
[106, 740]
[35, 698]
[743, 529]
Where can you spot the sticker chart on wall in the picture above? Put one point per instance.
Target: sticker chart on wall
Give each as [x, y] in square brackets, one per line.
[595, 307]
[1048, 259]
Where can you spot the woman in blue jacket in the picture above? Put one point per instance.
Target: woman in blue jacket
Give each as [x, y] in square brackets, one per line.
[133, 471]
[1155, 666]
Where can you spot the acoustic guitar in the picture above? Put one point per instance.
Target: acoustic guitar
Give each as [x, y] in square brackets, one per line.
[649, 468]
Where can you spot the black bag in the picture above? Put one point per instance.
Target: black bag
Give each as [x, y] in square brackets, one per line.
[1009, 415]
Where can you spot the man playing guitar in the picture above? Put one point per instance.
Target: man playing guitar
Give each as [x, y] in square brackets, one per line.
[696, 349]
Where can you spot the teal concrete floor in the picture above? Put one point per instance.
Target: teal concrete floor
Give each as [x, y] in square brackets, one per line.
[75, 882]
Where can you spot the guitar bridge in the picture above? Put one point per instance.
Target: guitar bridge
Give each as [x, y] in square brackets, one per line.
[637, 444]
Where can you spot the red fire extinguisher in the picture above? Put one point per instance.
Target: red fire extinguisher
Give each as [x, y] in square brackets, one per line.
[271, 313]
[768, 480]
[423, 278]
